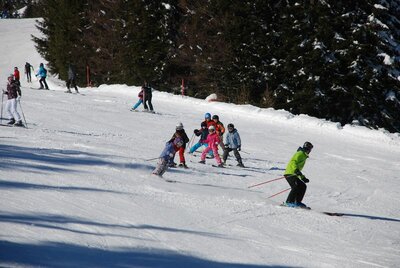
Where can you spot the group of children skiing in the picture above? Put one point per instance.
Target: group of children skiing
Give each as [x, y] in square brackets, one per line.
[211, 135]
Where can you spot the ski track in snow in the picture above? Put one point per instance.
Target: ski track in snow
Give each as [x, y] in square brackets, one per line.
[77, 191]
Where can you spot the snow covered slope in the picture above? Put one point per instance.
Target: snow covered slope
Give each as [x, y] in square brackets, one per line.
[75, 189]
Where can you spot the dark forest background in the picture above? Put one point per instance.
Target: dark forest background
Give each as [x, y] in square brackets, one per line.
[338, 60]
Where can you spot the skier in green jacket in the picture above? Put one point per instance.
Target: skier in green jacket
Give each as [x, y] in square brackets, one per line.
[295, 178]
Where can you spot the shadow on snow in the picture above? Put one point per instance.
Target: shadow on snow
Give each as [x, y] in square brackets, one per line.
[31, 186]
[50, 160]
[52, 254]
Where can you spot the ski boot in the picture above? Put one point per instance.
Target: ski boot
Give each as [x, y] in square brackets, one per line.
[19, 124]
[202, 161]
[11, 122]
[183, 165]
[240, 164]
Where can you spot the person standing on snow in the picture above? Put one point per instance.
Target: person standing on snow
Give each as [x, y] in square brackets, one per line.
[42, 73]
[28, 68]
[203, 133]
[147, 96]
[180, 133]
[169, 151]
[219, 126]
[232, 143]
[71, 82]
[140, 101]
[209, 122]
[13, 93]
[213, 141]
[17, 76]
[295, 178]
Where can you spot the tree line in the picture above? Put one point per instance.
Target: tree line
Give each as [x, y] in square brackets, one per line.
[337, 60]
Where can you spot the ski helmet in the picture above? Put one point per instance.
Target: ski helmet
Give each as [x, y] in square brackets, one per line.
[211, 128]
[307, 147]
[178, 141]
[215, 117]
[207, 116]
[230, 125]
[179, 126]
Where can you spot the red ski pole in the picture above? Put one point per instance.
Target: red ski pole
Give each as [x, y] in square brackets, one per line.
[265, 182]
[279, 192]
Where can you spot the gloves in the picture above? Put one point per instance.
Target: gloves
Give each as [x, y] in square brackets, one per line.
[298, 173]
[226, 146]
[196, 131]
[305, 180]
[239, 147]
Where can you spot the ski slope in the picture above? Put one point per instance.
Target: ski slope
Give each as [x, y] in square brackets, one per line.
[76, 189]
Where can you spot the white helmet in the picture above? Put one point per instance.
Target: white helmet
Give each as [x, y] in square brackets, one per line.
[211, 127]
[179, 126]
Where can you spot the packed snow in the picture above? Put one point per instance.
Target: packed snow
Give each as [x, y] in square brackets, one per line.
[76, 187]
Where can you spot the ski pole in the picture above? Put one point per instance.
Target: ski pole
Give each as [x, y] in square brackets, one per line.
[279, 192]
[151, 159]
[265, 182]
[2, 97]
[23, 115]
[244, 152]
[191, 139]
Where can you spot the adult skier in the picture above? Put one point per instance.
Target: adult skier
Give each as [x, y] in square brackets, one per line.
[295, 178]
[13, 93]
[71, 82]
[169, 151]
[42, 73]
[28, 68]
[147, 96]
[233, 143]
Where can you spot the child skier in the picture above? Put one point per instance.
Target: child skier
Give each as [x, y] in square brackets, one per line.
[203, 133]
[13, 93]
[213, 141]
[219, 126]
[169, 151]
[209, 121]
[180, 132]
[140, 101]
[232, 143]
[295, 178]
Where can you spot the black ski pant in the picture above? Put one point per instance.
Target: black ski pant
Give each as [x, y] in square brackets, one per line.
[298, 189]
[235, 152]
[72, 83]
[43, 81]
[28, 76]
[147, 99]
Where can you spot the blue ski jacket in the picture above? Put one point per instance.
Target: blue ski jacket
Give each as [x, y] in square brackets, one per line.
[42, 72]
[232, 139]
[169, 151]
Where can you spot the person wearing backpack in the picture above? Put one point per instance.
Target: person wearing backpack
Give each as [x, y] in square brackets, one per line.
[42, 73]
